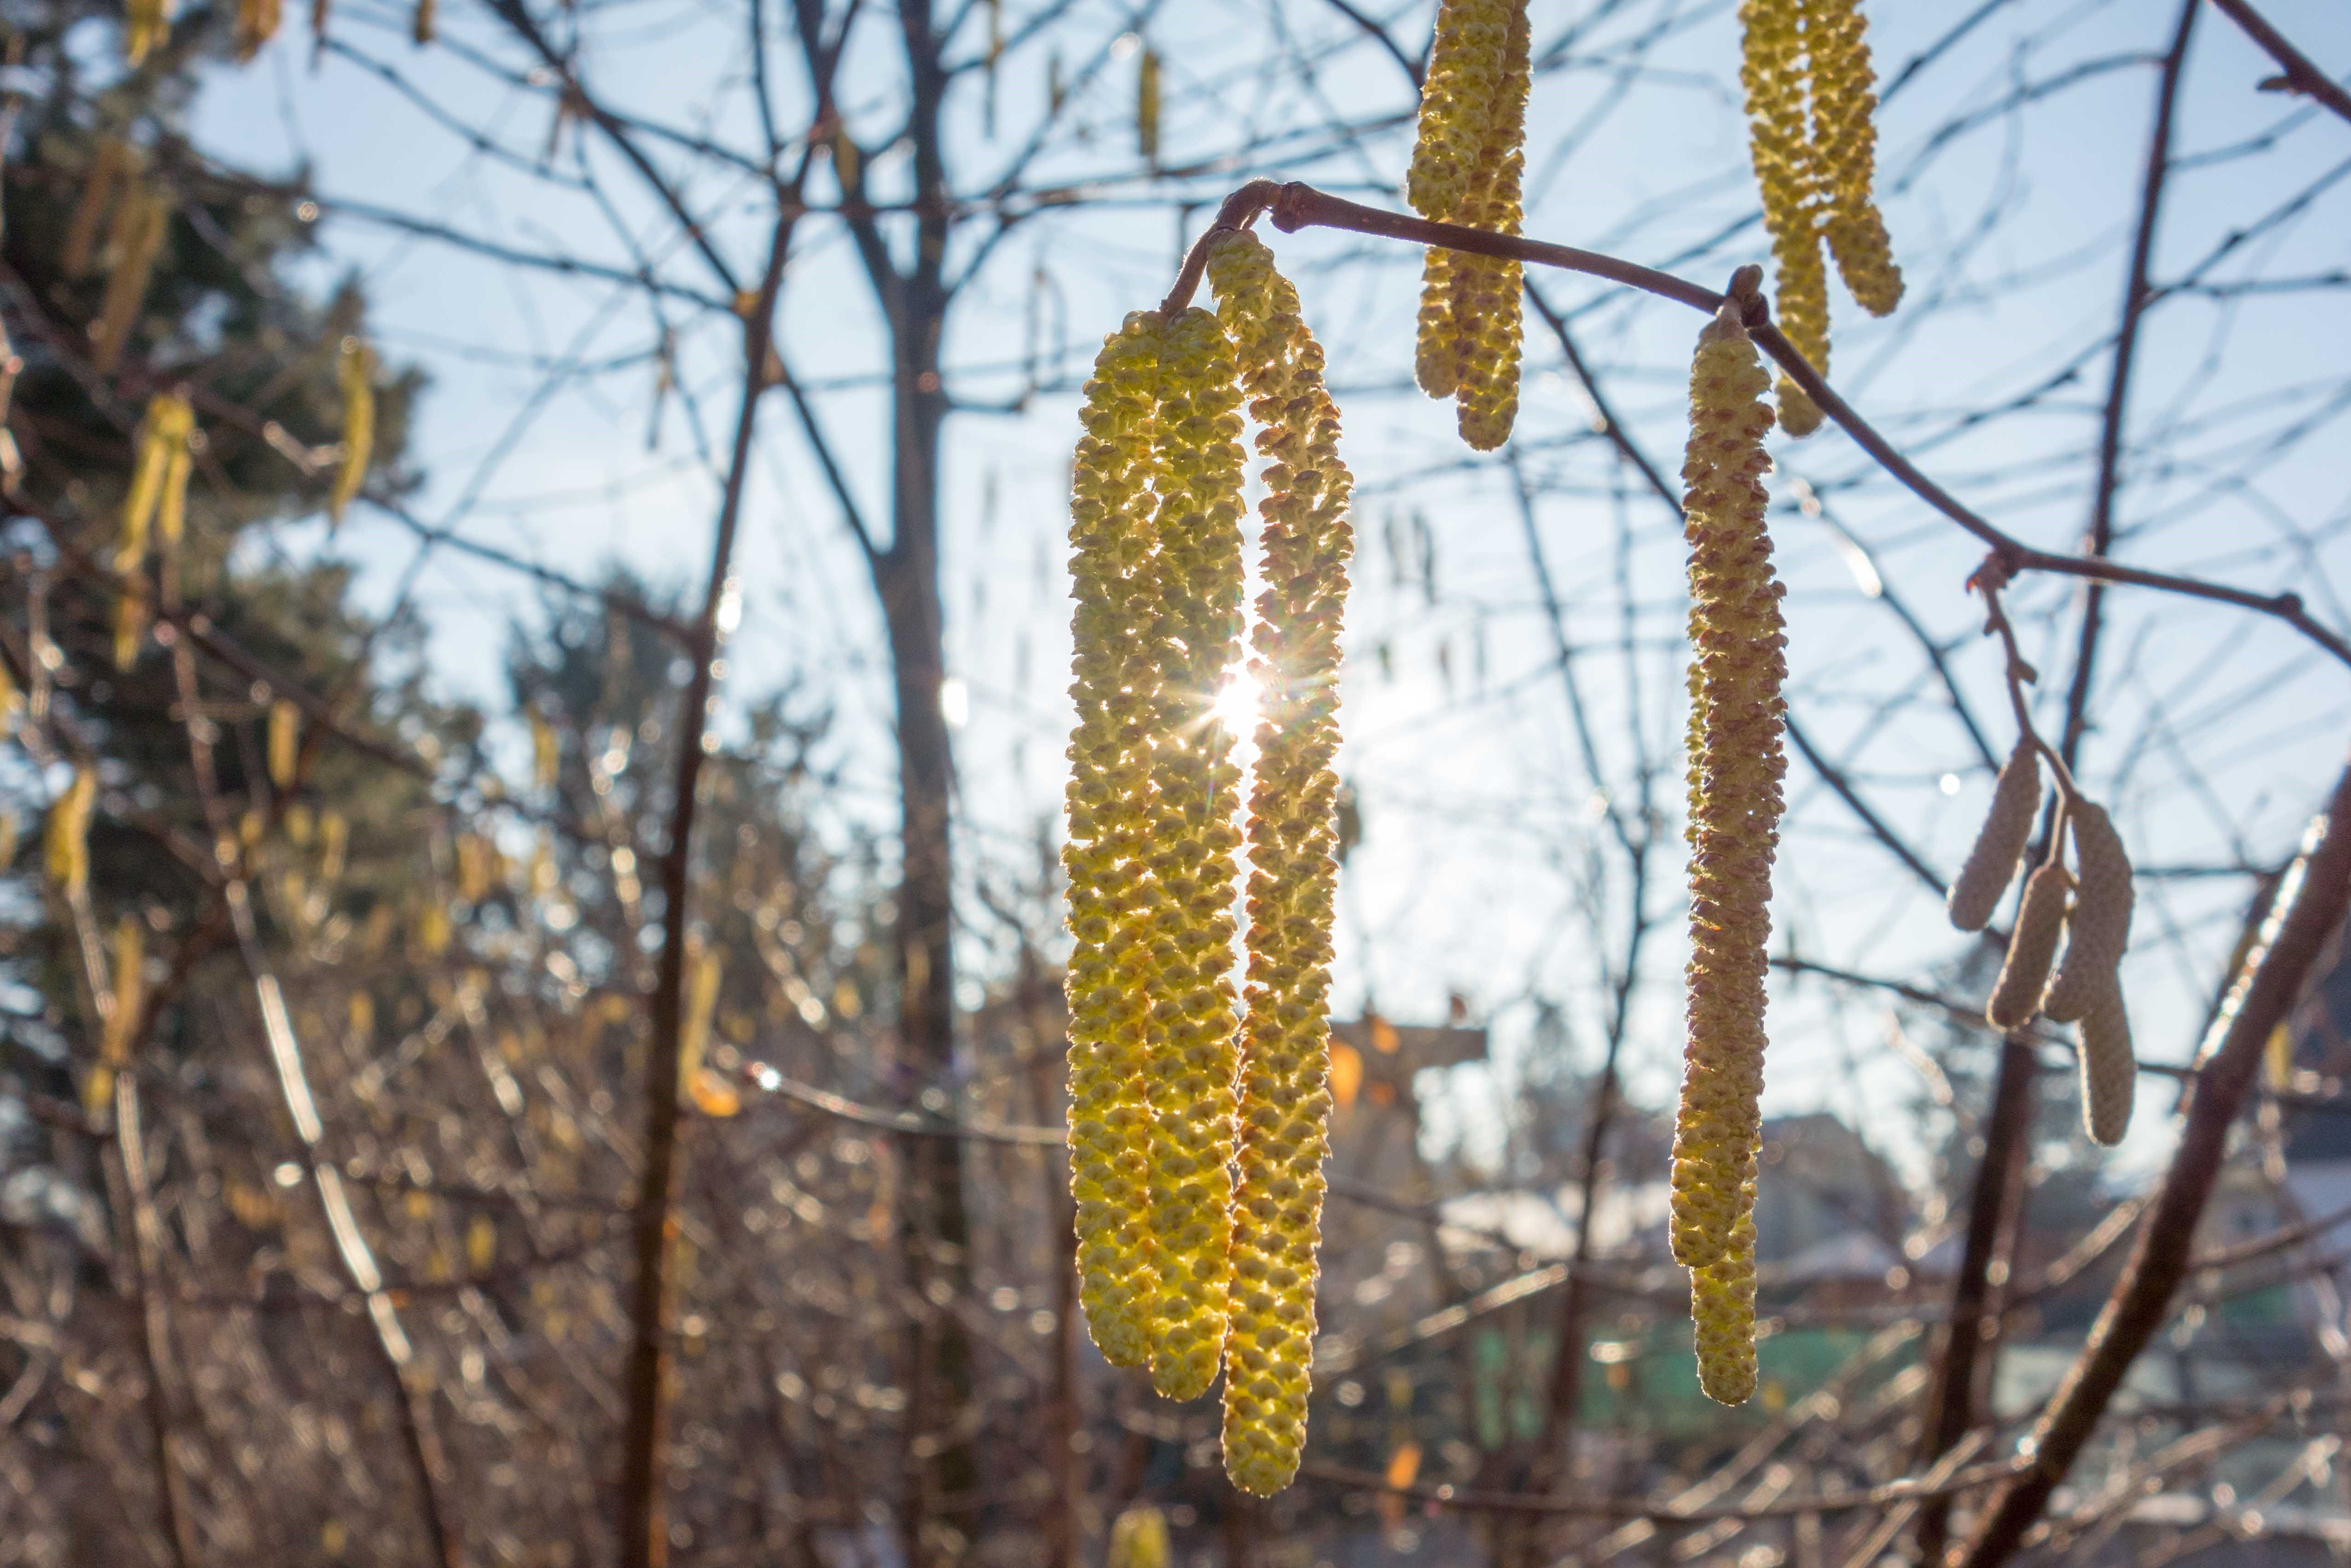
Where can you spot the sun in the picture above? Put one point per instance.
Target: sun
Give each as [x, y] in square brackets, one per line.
[1236, 704]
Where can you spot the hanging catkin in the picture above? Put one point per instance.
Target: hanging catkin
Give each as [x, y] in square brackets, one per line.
[2109, 1071]
[1112, 894]
[146, 23]
[123, 1019]
[135, 239]
[355, 375]
[1285, 1102]
[1735, 769]
[2016, 995]
[257, 24]
[1194, 799]
[1844, 132]
[67, 839]
[1146, 106]
[1723, 1313]
[1468, 163]
[1780, 144]
[285, 735]
[2098, 930]
[2000, 846]
[111, 162]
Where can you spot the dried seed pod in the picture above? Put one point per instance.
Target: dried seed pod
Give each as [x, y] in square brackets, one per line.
[1111, 896]
[141, 225]
[1845, 103]
[2000, 845]
[1736, 764]
[1194, 797]
[355, 375]
[67, 838]
[2109, 1071]
[1285, 1091]
[1723, 1313]
[2016, 995]
[2097, 932]
[285, 738]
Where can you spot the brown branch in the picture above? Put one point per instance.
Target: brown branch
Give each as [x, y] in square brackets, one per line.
[644, 1533]
[2296, 935]
[1629, 1508]
[2136, 296]
[2300, 75]
[1302, 206]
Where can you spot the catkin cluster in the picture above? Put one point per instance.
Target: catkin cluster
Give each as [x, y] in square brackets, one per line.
[1736, 764]
[1810, 96]
[1467, 168]
[156, 503]
[1195, 1149]
[2088, 910]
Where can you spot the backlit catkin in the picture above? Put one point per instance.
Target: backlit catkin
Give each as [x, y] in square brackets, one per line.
[135, 239]
[1195, 788]
[145, 24]
[257, 24]
[1780, 144]
[2016, 995]
[1486, 303]
[1467, 167]
[67, 838]
[1111, 894]
[1285, 1098]
[284, 737]
[2109, 1072]
[1736, 764]
[355, 375]
[1844, 133]
[120, 1030]
[2000, 845]
[2098, 930]
[1723, 1313]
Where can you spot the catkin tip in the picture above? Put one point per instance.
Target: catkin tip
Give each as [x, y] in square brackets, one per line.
[2016, 995]
[2000, 845]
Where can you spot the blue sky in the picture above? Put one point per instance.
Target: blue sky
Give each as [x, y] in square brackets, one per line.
[1487, 870]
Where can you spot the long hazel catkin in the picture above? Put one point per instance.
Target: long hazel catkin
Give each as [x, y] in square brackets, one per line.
[2109, 1070]
[1737, 667]
[2000, 846]
[1190, 1054]
[1285, 1097]
[1110, 902]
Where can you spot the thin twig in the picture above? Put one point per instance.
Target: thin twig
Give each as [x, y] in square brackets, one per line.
[2300, 75]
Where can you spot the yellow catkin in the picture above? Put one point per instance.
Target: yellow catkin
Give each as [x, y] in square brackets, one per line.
[2097, 931]
[139, 225]
[122, 1017]
[111, 162]
[12, 703]
[2109, 1071]
[481, 1244]
[1487, 305]
[703, 972]
[1436, 359]
[1738, 666]
[257, 24]
[1845, 133]
[1146, 106]
[473, 867]
[10, 831]
[1772, 70]
[284, 737]
[1285, 1098]
[1466, 63]
[420, 25]
[146, 23]
[2016, 995]
[546, 751]
[67, 838]
[2000, 845]
[1110, 892]
[334, 844]
[1194, 799]
[1723, 1313]
[1138, 1539]
[355, 374]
